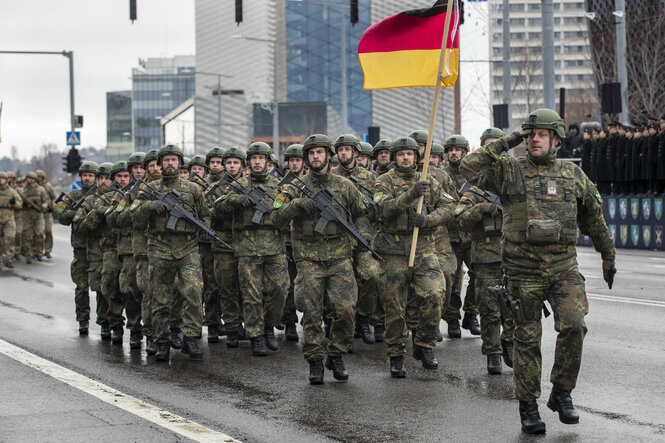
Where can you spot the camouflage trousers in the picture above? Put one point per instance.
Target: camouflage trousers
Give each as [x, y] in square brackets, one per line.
[454, 301]
[367, 270]
[486, 275]
[79, 273]
[264, 284]
[395, 283]
[212, 314]
[7, 238]
[163, 274]
[48, 232]
[131, 292]
[33, 233]
[111, 288]
[330, 284]
[567, 297]
[226, 275]
[95, 281]
[290, 316]
[143, 284]
[18, 238]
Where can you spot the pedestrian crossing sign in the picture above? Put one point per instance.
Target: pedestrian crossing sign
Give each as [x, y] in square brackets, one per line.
[73, 138]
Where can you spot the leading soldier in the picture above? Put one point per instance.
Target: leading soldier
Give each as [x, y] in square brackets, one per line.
[544, 201]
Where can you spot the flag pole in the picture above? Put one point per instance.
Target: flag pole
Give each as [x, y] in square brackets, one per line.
[432, 121]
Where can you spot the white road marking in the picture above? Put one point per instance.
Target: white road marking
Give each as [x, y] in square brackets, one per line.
[635, 301]
[160, 417]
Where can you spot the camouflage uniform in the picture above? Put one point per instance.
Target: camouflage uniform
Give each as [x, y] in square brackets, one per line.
[48, 216]
[485, 232]
[212, 307]
[262, 267]
[395, 208]
[33, 219]
[542, 206]
[10, 201]
[324, 263]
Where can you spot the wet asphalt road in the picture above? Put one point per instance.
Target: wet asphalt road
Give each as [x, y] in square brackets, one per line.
[620, 391]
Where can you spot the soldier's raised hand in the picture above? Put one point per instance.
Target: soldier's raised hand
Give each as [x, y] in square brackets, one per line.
[419, 189]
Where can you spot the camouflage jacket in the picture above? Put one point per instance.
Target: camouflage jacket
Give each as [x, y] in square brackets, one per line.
[457, 181]
[334, 243]
[66, 216]
[121, 225]
[485, 229]
[442, 236]
[6, 206]
[365, 186]
[559, 185]
[50, 191]
[183, 240]
[95, 219]
[222, 222]
[93, 236]
[395, 209]
[251, 239]
[37, 195]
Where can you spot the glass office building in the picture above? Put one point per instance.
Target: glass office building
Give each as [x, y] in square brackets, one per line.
[118, 125]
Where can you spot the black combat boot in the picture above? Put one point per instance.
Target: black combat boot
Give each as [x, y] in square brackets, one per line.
[135, 338]
[176, 341]
[426, 356]
[362, 326]
[316, 372]
[397, 369]
[10, 263]
[163, 351]
[508, 351]
[222, 330]
[378, 333]
[561, 402]
[494, 364]
[232, 340]
[213, 333]
[83, 327]
[106, 332]
[150, 346]
[189, 346]
[531, 422]
[271, 341]
[241, 333]
[291, 333]
[280, 326]
[116, 335]
[470, 322]
[336, 365]
[453, 329]
[258, 346]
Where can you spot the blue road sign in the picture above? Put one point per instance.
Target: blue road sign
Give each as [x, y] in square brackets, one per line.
[73, 138]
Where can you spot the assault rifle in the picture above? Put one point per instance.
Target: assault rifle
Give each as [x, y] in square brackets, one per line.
[492, 198]
[323, 200]
[225, 180]
[358, 185]
[74, 205]
[176, 212]
[196, 178]
[256, 196]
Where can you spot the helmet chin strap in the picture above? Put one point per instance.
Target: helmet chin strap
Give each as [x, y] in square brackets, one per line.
[325, 163]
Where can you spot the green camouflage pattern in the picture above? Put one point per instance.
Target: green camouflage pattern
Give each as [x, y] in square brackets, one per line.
[226, 275]
[133, 297]
[491, 322]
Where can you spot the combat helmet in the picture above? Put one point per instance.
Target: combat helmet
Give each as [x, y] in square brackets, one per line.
[150, 156]
[31, 174]
[273, 159]
[545, 119]
[365, 149]
[491, 133]
[316, 141]
[437, 149]
[89, 166]
[294, 150]
[259, 148]
[185, 163]
[120, 166]
[170, 149]
[404, 143]
[456, 141]
[105, 168]
[347, 140]
[419, 135]
[135, 159]
[235, 153]
[3, 174]
[40, 173]
[381, 145]
[197, 160]
[215, 152]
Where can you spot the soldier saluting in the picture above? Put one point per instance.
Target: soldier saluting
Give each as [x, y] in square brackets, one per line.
[544, 201]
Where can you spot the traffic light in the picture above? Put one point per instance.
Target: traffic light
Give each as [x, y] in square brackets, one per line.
[238, 12]
[132, 10]
[72, 161]
[353, 11]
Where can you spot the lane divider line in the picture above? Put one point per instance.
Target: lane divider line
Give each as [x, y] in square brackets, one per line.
[160, 417]
[635, 301]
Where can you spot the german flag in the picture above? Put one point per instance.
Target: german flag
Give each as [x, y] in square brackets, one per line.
[404, 50]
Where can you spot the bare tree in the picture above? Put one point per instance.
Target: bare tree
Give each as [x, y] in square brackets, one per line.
[47, 160]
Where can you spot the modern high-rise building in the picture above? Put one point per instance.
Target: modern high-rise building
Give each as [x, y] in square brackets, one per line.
[573, 68]
[159, 85]
[298, 47]
[118, 125]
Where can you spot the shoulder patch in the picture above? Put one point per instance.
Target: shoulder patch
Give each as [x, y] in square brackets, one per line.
[377, 196]
[120, 206]
[378, 184]
[279, 201]
[598, 197]
[135, 204]
[448, 196]
[459, 209]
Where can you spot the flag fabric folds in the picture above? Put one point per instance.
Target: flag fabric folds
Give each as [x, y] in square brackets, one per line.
[404, 50]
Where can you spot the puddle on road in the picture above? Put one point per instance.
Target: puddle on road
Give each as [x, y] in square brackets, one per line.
[25, 311]
[25, 278]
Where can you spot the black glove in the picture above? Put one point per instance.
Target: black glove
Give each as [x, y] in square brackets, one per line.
[609, 270]
[12, 201]
[244, 200]
[307, 205]
[515, 138]
[158, 206]
[205, 237]
[419, 189]
[419, 220]
[49, 210]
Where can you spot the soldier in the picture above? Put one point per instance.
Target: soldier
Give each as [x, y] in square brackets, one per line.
[36, 202]
[48, 215]
[273, 166]
[174, 253]
[381, 154]
[17, 185]
[225, 260]
[184, 169]
[456, 148]
[437, 155]
[480, 213]
[364, 155]
[79, 267]
[10, 201]
[198, 166]
[366, 268]
[396, 196]
[258, 244]
[324, 263]
[544, 200]
[295, 162]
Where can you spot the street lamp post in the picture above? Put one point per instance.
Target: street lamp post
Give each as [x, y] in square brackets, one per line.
[218, 93]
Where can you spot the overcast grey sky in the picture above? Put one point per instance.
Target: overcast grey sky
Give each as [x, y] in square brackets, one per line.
[35, 88]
